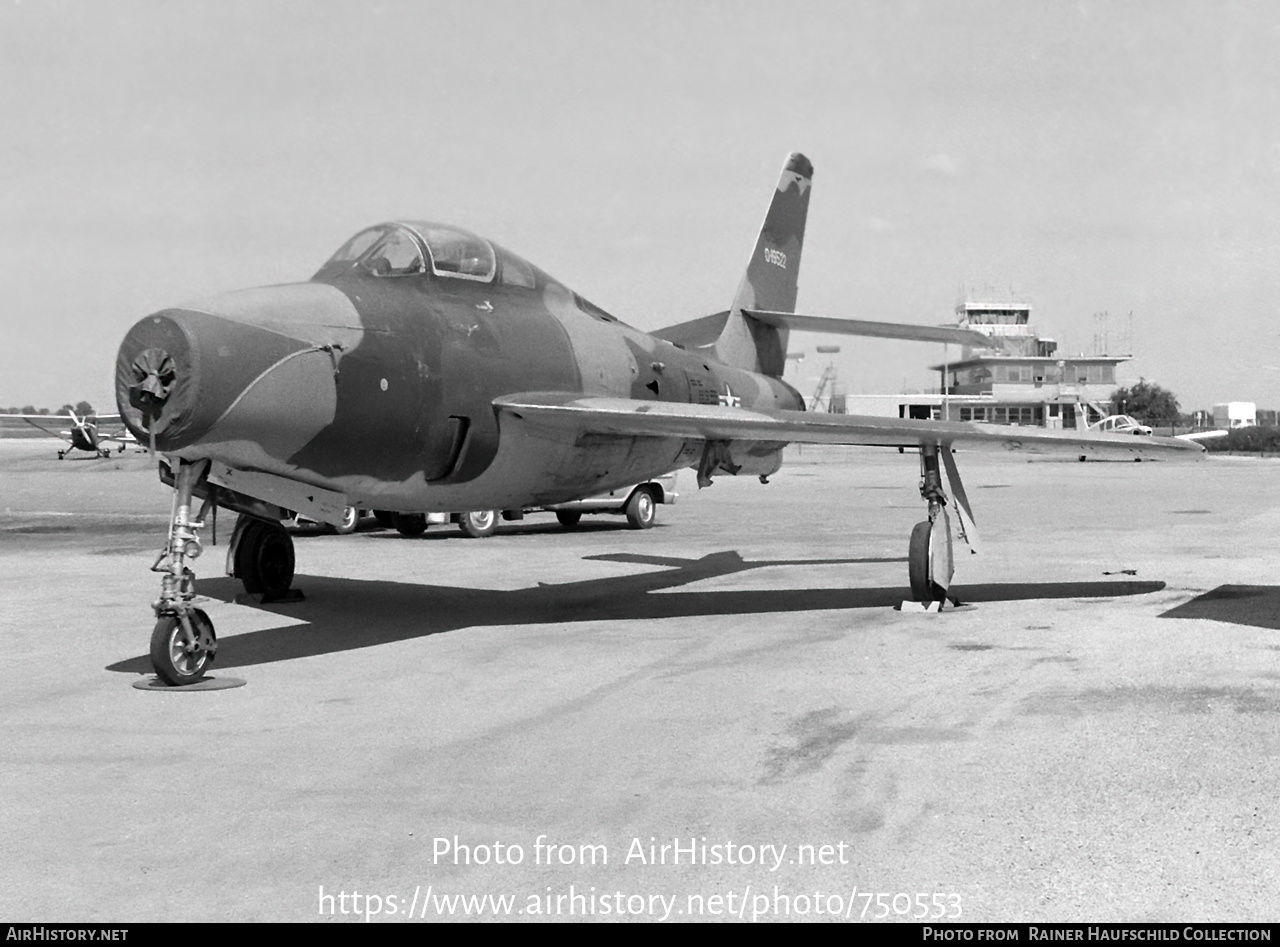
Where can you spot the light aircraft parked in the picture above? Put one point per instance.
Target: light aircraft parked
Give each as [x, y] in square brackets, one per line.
[1120, 424]
[85, 433]
[424, 368]
[1124, 424]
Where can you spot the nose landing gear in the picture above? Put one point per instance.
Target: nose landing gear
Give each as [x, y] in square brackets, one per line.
[183, 644]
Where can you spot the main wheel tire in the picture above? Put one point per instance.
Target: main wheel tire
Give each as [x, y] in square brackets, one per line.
[175, 663]
[411, 524]
[386, 519]
[923, 589]
[479, 523]
[569, 519]
[350, 520]
[245, 571]
[641, 509]
[918, 562]
[264, 559]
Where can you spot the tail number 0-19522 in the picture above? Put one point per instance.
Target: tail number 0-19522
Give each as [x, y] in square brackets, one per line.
[776, 257]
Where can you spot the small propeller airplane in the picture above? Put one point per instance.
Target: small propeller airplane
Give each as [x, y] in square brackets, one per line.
[85, 433]
[424, 368]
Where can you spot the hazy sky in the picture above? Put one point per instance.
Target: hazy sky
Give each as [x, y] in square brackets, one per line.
[1120, 157]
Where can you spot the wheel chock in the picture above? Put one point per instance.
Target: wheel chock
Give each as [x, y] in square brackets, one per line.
[932, 607]
[919, 607]
[204, 684]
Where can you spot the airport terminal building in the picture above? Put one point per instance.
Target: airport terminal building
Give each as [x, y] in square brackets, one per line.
[1021, 380]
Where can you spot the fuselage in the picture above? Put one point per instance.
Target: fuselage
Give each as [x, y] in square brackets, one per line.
[377, 378]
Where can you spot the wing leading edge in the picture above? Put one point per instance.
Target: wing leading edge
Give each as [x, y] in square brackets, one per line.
[629, 418]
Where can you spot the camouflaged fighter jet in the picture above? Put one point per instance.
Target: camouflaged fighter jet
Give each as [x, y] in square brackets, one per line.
[424, 368]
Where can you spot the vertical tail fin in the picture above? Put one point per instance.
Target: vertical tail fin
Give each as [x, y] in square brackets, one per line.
[771, 279]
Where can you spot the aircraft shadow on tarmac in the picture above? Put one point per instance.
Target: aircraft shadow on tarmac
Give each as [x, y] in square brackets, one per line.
[1257, 605]
[343, 614]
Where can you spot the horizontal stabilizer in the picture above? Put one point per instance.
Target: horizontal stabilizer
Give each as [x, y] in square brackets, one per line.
[883, 330]
[704, 331]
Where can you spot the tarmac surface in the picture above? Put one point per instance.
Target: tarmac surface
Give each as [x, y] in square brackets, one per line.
[1095, 738]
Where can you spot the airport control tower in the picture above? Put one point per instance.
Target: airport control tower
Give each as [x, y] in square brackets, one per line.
[1007, 322]
[1020, 379]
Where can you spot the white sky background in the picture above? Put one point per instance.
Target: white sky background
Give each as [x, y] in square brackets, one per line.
[1119, 156]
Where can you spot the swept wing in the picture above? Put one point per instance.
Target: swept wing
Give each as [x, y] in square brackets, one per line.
[627, 417]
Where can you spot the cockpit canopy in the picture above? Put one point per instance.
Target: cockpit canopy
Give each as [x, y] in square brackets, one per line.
[409, 248]
[419, 248]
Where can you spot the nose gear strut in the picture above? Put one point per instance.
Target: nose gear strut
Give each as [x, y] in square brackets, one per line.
[183, 644]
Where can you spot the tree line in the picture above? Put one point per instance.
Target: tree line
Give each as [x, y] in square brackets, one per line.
[81, 409]
[1157, 406]
[1151, 404]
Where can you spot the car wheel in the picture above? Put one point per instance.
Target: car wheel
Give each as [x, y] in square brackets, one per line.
[350, 520]
[479, 523]
[641, 510]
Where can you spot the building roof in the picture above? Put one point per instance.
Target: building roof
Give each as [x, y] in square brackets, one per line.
[1030, 359]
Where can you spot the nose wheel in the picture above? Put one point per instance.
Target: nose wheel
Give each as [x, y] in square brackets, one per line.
[183, 647]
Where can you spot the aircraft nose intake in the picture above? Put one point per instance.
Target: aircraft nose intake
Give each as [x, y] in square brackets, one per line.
[158, 376]
[179, 371]
[153, 377]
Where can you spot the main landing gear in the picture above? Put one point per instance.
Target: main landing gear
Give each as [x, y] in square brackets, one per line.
[930, 564]
[262, 557]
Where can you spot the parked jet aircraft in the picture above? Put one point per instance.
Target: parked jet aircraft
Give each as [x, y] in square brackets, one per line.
[85, 433]
[424, 368]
